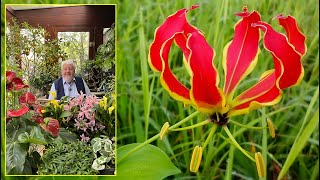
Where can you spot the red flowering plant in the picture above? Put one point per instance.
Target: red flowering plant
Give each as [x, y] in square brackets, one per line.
[240, 58]
[23, 129]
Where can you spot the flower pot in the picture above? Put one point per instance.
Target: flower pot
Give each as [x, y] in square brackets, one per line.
[109, 171]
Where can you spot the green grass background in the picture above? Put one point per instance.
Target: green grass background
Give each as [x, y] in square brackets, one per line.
[143, 106]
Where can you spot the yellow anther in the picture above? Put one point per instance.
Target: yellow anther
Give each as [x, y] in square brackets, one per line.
[271, 128]
[164, 130]
[196, 159]
[260, 164]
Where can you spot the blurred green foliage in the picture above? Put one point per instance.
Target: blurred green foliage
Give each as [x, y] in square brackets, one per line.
[99, 72]
[31, 54]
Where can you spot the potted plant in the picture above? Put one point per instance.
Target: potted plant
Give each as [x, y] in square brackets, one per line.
[25, 128]
[104, 150]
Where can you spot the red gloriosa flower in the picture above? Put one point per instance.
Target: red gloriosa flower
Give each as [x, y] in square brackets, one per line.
[240, 58]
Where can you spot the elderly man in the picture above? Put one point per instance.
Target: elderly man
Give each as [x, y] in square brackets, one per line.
[68, 85]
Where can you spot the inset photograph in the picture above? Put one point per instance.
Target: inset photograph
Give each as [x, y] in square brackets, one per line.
[60, 89]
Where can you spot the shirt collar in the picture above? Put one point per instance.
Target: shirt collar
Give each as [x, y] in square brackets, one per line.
[73, 80]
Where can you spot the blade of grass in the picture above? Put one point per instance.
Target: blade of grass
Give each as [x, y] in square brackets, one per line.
[138, 123]
[300, 143]
[230, 163]
[313, 101]
[144, 75]
[264, 141]
[315, 172]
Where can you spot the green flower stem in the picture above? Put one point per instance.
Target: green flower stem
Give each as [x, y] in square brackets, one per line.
[213, 130]
[246, 126]
[193, 126]
[228, 174]
[158, 135]
[236, 143]
[14, 94]
[184, 120]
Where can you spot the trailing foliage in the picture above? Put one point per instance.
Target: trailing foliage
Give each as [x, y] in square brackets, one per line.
[71, 158]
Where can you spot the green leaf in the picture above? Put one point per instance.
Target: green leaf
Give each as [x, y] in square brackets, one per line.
[97, 166]
[65, 114]
[300, 143]
[67, 136]
[149, 162]
[35, 137]
[96, 146]
[103, 159]
[23, 137]
[15, 156]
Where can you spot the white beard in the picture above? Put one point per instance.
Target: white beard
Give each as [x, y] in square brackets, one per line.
[68, 79]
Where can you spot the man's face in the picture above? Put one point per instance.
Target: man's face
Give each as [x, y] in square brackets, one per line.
[67, 72]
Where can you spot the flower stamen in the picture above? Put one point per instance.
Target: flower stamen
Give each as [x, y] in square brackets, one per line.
[220, 119]
[196, 159]
[164, 130]
[271, 128]
[260, 164]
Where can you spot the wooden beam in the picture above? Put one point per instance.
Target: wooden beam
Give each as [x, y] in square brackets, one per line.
[90, 15]
[10, 13]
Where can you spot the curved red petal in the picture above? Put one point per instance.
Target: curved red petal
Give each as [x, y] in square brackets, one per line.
[17, 84]
[28, 98]
[281, 49]
[52, 126]
[39, 120]
[265, 92]
[241, 53]
[17, 113]
[9, 86]
[270, 97]
[295, 36]
[288, 72]
[265, 83]
[204, 79]
[168, 80]
[9, 76]
[160, 48]
[173, 24]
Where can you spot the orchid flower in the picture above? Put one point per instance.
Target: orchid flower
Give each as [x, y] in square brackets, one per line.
[240, 56]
